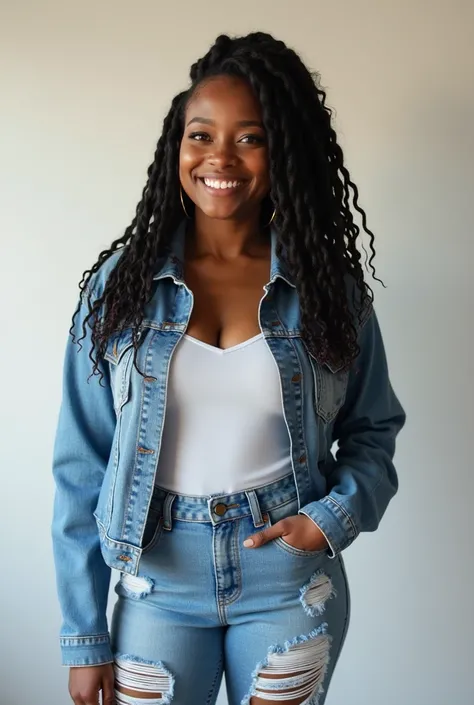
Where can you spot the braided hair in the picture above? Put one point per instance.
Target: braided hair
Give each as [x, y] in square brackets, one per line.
[311, 190]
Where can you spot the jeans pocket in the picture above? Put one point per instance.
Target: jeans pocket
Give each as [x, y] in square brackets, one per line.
[282, 512]
[299, 552]
[153, 530]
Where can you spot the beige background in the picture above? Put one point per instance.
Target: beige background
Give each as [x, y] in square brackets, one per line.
[84, 87]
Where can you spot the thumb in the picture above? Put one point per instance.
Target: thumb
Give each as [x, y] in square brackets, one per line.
[266, 535]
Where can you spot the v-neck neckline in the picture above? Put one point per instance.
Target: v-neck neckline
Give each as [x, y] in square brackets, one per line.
[223, 351]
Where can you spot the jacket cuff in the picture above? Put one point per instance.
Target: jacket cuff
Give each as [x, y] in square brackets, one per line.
[86, 650]
[334, 522]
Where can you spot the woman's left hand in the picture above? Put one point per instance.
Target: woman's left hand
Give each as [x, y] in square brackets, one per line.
[298, 531]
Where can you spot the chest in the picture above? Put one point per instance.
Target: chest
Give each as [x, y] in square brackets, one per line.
[226, 299]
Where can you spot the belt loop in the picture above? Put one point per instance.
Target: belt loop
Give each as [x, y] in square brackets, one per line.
[255, 509]
[167, 505]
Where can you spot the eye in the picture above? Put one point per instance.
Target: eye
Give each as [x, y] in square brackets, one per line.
[252, 139]
[199, 136]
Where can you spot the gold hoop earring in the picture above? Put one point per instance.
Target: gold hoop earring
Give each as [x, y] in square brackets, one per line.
[182, 203]
[272, 218]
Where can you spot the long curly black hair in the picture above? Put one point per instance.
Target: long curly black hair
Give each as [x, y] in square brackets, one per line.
[311, 190]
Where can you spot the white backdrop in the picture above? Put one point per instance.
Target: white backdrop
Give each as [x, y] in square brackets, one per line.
[84, 87]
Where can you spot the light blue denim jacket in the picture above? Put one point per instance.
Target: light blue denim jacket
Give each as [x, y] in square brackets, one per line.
[108, 441]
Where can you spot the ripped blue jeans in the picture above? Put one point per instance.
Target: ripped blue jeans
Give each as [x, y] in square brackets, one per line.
[273, 619]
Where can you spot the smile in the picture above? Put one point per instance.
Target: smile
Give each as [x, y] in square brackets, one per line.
[219, 185]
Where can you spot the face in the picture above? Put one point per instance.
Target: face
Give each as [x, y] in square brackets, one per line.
[223, 163]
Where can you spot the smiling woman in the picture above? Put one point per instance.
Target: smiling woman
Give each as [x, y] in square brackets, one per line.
[231, 340]
[223, 163]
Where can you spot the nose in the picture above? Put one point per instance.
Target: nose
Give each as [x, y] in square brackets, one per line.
[222, 156]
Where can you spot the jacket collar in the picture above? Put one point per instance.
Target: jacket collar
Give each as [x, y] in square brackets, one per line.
[172, 265]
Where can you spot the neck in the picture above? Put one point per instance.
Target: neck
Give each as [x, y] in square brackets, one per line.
[225, 239]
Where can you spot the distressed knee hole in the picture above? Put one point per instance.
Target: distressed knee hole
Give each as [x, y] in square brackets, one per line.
[316, 593]
[136, 587]
[293, 673]
[139, 682]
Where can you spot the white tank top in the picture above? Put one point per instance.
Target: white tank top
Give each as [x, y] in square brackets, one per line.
[224, 427]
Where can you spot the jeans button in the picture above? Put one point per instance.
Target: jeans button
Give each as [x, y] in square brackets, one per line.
[220, 509]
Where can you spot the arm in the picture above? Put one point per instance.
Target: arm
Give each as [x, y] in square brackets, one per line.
[362, 480]
[82, 447]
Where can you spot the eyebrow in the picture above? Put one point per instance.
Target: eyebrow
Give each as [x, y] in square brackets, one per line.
[241, 123]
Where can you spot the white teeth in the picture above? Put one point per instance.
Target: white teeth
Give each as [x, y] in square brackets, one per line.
[213, 183]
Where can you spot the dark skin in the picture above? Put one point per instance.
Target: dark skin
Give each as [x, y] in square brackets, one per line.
[227, 263]
[227, 260]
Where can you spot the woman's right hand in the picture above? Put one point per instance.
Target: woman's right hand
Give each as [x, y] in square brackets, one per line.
[86, 682]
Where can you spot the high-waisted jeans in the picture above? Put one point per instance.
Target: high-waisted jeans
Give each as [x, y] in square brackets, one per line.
[273, 619]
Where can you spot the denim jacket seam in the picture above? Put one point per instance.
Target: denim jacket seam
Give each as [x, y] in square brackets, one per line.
[87, 665]
[124, 529]
[302, 426]
[115, 542]
[286, 333]
[78, 638]
[345, 512]
[96, 598]
[121, 544]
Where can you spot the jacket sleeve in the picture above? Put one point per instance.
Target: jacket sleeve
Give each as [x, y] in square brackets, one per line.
[362, 478]
[82, 447]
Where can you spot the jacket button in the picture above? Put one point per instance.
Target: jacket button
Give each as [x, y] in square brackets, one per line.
[296, 378]
[302, 459]
[125, 559]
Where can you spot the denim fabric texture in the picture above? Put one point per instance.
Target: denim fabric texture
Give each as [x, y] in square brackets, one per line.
[107, 447]
[201, 600]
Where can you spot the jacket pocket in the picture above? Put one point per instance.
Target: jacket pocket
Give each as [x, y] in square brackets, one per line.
[119, 353]
[330, 389]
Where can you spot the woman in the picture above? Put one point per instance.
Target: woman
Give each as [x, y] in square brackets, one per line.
[227, 340]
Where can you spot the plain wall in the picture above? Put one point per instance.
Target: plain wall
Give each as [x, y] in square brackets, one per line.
[84, 88]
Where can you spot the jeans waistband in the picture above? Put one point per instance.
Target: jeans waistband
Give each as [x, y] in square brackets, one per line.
[224, 507]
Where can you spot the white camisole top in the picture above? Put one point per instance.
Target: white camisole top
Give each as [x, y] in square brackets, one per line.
[224, 427]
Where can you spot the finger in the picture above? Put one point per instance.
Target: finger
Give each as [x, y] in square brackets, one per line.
[266, 535]
[108, 691]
